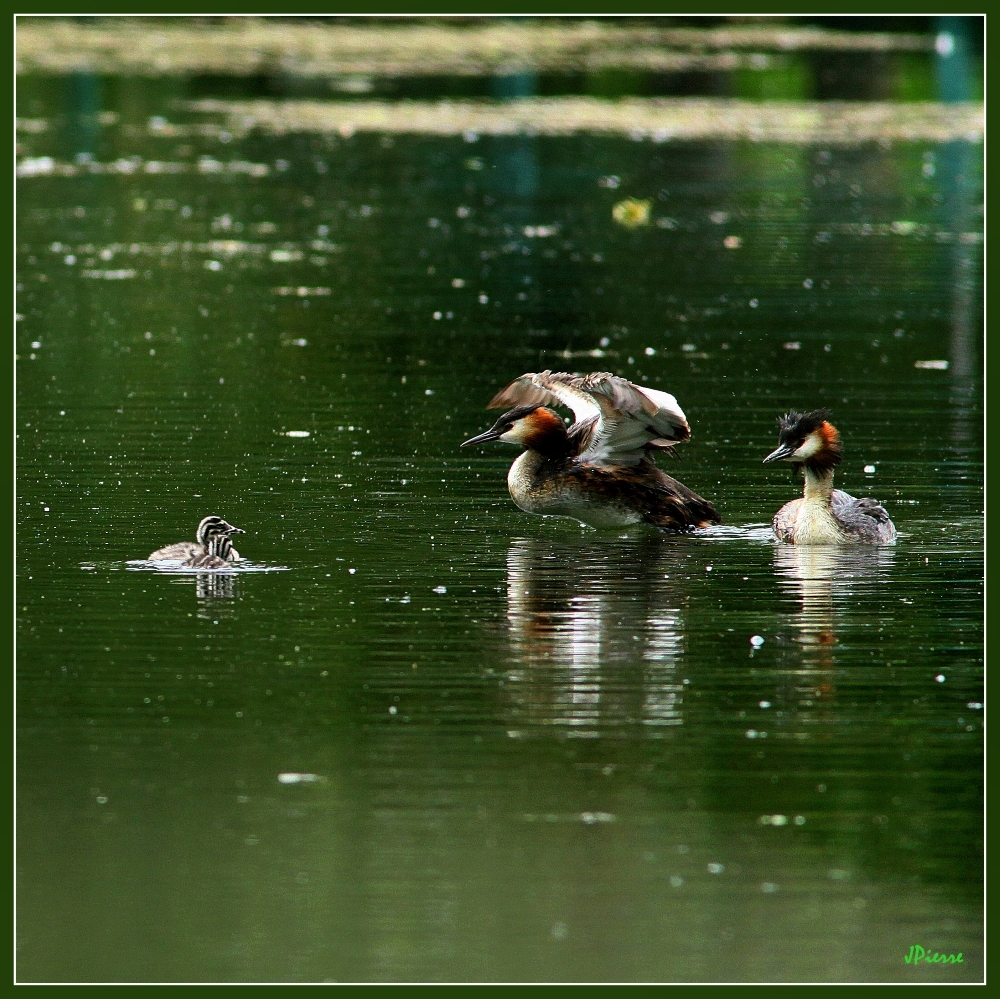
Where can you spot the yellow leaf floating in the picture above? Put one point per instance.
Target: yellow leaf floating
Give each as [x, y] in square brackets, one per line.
[632, 212]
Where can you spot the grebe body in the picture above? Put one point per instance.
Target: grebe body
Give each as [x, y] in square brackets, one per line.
[218, 555]
[599, 471]
[209, 529]
[823, 515]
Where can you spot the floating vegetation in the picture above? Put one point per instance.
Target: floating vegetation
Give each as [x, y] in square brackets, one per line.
[121, 261]
[904, 228]
[659, 119]
[47, 166]
[123, 274]
[632, 212]
[302, 291]
[349, 53]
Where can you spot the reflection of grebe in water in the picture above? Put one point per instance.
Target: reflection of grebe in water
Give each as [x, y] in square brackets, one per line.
[823, 515]
[216, 593]
[596, 634]
[600, 470]
[818, 578]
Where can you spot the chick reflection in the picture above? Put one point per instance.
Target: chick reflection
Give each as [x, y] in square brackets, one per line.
[820, 576]
[216, 592]
[595, 632]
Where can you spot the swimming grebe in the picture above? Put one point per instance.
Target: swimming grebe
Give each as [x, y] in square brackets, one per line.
[600, 470]
[209, 528]
[219, 554]
[823, 515]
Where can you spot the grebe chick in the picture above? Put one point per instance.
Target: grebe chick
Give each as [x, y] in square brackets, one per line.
[211, 527]
[823, 515]
[219, 555]
[600, 470]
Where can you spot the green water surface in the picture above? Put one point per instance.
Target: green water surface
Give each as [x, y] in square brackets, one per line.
[440, 739]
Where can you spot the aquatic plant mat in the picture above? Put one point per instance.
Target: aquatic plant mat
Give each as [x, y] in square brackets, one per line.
[406, 47]
[660, 119]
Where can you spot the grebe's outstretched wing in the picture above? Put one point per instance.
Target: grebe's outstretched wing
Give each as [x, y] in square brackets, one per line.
[616, 420]
[548, 388]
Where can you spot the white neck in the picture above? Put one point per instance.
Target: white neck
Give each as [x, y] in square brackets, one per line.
[818, 485]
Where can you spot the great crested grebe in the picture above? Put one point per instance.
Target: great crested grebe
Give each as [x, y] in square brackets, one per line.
[210, 528]
[219, 555]
[823, 515]
[600, 470]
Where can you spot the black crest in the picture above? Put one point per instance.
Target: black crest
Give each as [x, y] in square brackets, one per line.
[795, 427]
[513, 415]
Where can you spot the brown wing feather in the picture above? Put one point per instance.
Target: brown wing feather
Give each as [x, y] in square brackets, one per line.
[522, 392]
[662, 500]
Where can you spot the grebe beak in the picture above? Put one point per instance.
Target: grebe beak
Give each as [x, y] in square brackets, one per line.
[234, 530]
[784, 451]
[491, 435]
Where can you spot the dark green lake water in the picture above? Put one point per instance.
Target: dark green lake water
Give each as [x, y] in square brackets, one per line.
[443, 740]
